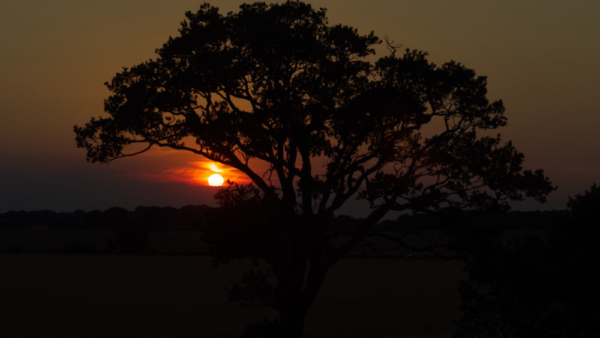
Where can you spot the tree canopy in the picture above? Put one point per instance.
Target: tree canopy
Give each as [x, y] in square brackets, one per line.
[277, 84]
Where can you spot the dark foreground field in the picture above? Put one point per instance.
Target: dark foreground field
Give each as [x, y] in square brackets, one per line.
[183, 296]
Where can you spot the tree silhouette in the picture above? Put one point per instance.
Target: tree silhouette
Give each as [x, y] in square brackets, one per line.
[278, 85]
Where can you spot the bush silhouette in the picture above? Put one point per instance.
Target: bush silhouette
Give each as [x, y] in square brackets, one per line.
[544, 286]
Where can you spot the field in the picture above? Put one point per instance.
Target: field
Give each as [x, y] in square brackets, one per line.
[59, 295]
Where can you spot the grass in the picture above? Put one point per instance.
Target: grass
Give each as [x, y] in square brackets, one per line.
[60, 295]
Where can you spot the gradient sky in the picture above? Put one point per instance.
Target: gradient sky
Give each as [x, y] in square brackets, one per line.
[540, 56]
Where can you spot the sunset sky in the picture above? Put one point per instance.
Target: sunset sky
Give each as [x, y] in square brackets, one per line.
[540, 56]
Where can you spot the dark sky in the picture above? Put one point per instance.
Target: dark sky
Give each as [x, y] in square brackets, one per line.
[541, 58]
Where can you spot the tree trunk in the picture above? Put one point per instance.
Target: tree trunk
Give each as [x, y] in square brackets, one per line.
[298, 288]
[300, 273]
[292, 318]
[290, 284]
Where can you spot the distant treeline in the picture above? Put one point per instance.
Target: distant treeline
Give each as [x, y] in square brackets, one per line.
[194, 217]
[187, 218]
[449, 218]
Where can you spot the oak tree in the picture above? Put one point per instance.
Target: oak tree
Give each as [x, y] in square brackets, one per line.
[277, 86]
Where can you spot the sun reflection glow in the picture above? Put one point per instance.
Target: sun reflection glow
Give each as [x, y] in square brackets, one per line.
[214, 168]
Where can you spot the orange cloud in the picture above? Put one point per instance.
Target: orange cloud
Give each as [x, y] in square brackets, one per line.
[175, 166]
[197, 173]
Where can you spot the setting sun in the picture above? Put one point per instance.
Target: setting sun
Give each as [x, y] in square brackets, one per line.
[215, 180]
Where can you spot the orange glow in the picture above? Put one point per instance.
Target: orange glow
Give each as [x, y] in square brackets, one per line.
[177, 167]
[215, 180]
[198, 173]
